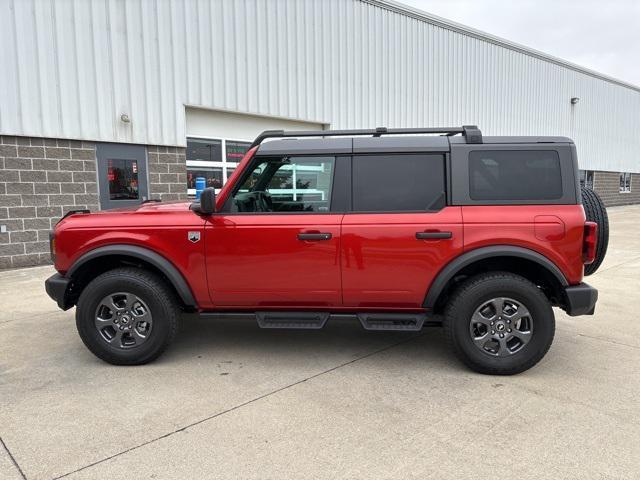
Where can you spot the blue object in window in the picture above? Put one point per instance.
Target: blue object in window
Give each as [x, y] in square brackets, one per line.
[200, 184]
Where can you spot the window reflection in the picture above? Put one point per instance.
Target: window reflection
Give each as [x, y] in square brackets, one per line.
[123, 179]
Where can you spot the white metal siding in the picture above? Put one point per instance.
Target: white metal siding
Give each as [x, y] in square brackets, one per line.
[71, 67]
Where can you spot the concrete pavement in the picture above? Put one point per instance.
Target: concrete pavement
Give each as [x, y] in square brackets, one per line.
[229, 400]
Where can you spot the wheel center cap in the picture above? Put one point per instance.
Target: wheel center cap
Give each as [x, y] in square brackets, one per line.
[500, 327]
[125, 319]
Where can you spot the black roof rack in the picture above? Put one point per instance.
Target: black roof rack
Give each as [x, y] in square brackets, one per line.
[471, 133]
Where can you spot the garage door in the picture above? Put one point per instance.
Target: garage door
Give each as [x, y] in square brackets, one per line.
[217, 141]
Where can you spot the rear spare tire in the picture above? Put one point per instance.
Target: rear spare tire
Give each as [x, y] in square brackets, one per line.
[596, 212]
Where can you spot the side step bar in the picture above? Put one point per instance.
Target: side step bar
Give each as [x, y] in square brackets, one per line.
[304, 320]
[408, 322]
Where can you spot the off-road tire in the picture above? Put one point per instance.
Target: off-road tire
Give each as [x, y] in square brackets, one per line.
[145, 285]
[481, 288]
[595, 211]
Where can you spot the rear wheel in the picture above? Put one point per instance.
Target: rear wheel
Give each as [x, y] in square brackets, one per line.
[595, 211]
[499, 323]
[127, 316]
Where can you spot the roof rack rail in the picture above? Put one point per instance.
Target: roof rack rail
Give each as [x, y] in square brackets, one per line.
[471, 133]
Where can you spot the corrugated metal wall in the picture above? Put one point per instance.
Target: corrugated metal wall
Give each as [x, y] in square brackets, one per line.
[71, 67]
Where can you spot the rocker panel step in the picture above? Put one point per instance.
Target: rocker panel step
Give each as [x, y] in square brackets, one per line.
[294, 320]
[408, 322]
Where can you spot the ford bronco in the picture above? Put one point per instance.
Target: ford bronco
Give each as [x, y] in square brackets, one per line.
[397, 228]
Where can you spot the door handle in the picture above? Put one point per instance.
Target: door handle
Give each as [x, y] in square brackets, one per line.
[433, 235]
[314, 236]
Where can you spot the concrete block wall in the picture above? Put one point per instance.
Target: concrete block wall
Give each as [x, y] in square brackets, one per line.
[607, 185]
[167, 173]
[41, 179]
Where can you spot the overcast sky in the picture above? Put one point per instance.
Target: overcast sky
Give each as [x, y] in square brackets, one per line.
[602, 35]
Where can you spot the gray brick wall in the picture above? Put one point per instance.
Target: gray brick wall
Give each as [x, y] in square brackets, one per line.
[607, 185]
[167, 173]
[40, 180]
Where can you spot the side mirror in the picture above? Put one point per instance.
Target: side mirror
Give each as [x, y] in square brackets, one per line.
[207, 204]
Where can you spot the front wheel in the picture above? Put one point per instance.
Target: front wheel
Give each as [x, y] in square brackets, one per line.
[127, 316]
[499, 323]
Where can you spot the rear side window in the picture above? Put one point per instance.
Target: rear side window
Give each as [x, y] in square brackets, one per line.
[514, 175]
[387, 183]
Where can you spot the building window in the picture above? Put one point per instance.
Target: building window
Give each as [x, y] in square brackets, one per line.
[586, 179]
[123, 179]
[625, 182]
[213, 159]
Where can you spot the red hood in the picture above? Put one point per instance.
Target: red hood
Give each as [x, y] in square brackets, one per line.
[149, 207]
[150, 214]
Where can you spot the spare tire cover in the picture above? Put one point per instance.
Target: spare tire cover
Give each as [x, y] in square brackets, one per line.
[595, 211]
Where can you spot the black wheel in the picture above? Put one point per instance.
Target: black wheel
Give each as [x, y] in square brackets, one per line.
[499, 323]
[595, 211]
[127, 316]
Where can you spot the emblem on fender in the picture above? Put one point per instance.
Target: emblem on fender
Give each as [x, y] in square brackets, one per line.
[193, 237]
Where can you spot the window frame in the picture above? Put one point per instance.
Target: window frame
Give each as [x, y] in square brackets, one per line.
[623, 182]
[459, 173]
[443, 156]
[336, 200]
[191, 192]
[588, 185]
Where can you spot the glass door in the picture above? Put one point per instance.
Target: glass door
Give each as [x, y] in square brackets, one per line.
[122, 175]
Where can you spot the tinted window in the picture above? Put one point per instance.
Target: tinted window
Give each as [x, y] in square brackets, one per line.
[123, 179]
[514, 175]
[291, 184]
[385, 183]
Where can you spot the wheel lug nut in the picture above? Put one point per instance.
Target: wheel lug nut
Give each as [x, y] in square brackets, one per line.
[509, 330]
[493, 332]
[121, 328]
[502, 335]
[492, 323]
[116, 321]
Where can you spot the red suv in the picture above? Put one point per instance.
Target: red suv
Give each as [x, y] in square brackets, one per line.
[398, 228]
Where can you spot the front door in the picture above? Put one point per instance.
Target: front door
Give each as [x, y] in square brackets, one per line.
[400, 232]
[278, 243]
[122, 175]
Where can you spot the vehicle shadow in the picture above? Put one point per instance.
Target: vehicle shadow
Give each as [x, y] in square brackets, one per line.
[342, 339]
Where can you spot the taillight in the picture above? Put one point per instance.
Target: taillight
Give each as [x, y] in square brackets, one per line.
[589, 243]
[52, 246]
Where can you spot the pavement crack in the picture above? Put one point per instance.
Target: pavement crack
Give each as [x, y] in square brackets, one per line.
[236, 407]
[4, 445]
[609, 341]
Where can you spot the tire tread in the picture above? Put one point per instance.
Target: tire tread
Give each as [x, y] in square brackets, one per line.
[457, 301]
[162, 292]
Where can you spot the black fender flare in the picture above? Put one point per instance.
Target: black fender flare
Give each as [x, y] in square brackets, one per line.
[454, 266]
[158, 261]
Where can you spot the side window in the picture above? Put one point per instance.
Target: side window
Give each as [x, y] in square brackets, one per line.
[386, 183]
[289, 184]
[514, 175]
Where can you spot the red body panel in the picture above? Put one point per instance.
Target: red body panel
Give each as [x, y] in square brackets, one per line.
[537, 227]
[161, 227]
[258, 260]
[372, 261]
[384, 265]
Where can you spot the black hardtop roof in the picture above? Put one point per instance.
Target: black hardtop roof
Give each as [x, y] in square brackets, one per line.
[382, 140]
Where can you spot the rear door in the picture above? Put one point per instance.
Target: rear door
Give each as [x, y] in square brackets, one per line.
[399, 233]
